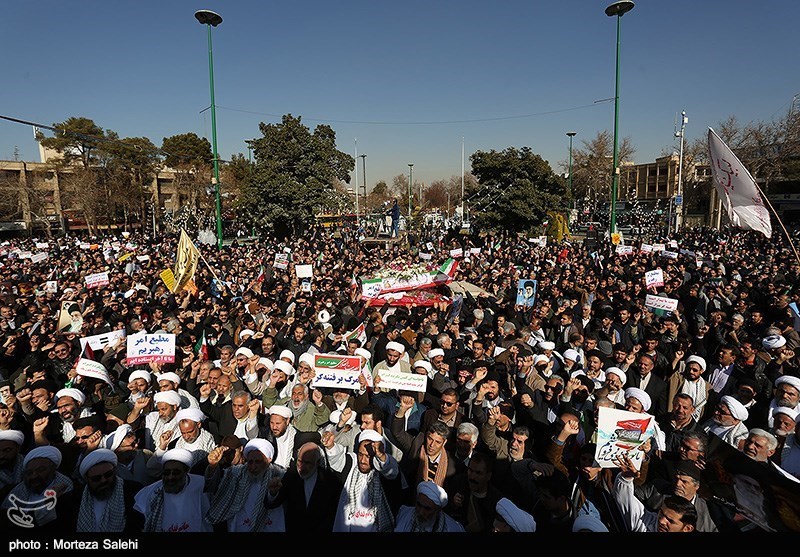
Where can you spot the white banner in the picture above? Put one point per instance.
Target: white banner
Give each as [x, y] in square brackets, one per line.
[654, 278]
[37, 257]
[458, 252]
[737, 189]
[659, 302]
[659, 247]
[96, 370]
[646, 248]
[403, 381]
[621, 433]
[281, 261]
[42, 245]
[25, 255]
[669, 254]
[475, 251]
[51, 286]
[425, 256]
[145, 348]
[304, 271]
[96, 280]
[624, 250]
[335, 370]
[100, 342]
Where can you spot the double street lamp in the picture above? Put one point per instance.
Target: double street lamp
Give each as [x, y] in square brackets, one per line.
[616, 9]
[212, 19]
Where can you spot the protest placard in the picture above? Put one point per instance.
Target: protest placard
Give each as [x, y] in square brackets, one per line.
[661, 303]
[646, 248]
[38, 257]
[305, 286]
[429, 246]
[622, 433]
[457, 252]
[526, 292]
[156, 347]
[42, 245]
[403, 381]
[97, 280]
[624, 250]
[101, 341]
[475, 251]
[654, 278]
[425, 256]
[304, 271]
[334, 370]
[51, 286]
[659, 247]
[669, 254]
[281, 261]
[95, 370]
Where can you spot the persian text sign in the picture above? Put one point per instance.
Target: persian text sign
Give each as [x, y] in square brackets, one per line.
[621, 433]
[156, 347]
[97, 280]
[403, 381]
[654, 278]
[659, 302]
[333, 370]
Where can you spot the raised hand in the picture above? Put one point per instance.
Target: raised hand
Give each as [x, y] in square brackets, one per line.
[216, 454]
[164, 439]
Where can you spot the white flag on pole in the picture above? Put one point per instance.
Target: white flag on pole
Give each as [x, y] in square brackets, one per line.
[737, 188]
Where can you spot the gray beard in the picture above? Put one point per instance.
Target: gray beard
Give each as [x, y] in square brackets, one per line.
[297, 412]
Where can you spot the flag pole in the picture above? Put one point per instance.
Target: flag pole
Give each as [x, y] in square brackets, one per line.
[774, 212]
[209, 267]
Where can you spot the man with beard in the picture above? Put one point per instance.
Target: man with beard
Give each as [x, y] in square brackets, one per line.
[307, 414]
[727, 422]
[102, 503]
[170, 381]
[242, 496]
[309, 492]
[427, 514]
[162, 419]
[237, 417]
[10, 460]
[692, 383]
[192, 436]
[281, 435]
[393, 361]
[37, 501]
[488, 395]
[131, 460]
[176, 503]
[69, 403]
[372, 489]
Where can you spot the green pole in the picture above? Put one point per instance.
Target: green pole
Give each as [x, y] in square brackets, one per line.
[214, 141]
[615, 168]
[410, 186]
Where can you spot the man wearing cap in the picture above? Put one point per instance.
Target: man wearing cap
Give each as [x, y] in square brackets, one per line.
[427, 514]
[190, 435]
[10, 460]
[170, 381]
[372, 490]
[727, 422]
[177, 502]
[241, 496]
[394, 361]
[690, 382]
[162, 419]
[102, 502]
[27, 503]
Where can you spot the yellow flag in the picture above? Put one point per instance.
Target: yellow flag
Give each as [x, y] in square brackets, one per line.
[169, 279]
[124, 256]
[616, 238]
[186, 261]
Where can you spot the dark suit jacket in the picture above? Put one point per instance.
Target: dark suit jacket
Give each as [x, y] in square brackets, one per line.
[656, 389]
[318, 515]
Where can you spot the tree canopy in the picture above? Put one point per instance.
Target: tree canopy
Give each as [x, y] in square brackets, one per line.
[516, 189]
[294, 176]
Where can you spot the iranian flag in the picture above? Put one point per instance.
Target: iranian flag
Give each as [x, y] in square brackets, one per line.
[359, 333]
[261, 274]
[201, 348]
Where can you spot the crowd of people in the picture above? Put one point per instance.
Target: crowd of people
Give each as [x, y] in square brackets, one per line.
[233, 435]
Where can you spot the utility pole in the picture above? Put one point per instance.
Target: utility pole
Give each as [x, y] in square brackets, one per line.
[679, 193]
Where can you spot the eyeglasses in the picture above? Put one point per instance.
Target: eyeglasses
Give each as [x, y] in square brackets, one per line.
[719, 411]
[447, 403]
[96, 478]
[61, 351]
[554, 388]
[83, 437]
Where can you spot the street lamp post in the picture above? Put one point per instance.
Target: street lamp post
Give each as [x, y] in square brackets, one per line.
[616, 9]
[410, 185]
[570, 135]
[211, 19]
[364, 172]
[679, 208]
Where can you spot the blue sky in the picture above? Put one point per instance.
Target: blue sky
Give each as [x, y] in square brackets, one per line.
[406, 80]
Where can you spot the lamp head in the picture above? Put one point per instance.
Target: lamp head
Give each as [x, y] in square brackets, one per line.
[572, 134]
[207, 17]
[619, 8]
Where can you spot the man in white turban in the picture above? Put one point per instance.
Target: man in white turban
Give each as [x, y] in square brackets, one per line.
[786, 394]
[162, 419]
[34, 501]
[190, 435]
[371, 489]
[70, 407]
[692, 383]
[636, 400]
[131, 460]
[10, 458]
[104, 500]
[394, 360]
[170, 381]
[510, 518]
[614, 383]
[176, 503]
[427, 515]
[241, 494]
[727, 422]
